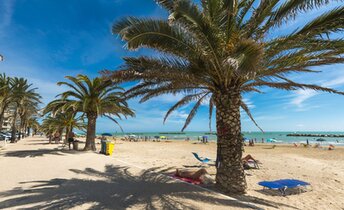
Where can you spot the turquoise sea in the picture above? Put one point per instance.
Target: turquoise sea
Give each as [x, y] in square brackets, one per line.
[276, 137]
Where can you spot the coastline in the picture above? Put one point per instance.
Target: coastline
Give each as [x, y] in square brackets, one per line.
[274, 137]
[280, 144]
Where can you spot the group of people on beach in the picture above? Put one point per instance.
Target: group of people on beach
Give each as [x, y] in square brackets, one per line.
[204, 177]
[56, 137]
[317, 145]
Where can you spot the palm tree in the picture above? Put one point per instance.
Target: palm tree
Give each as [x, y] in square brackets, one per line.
[59, 121]
[51, 125]
[27, 110]
[5, 96]
[22, 97]
[32, 123]
[93, 98]
[221, 49]
[68, 119]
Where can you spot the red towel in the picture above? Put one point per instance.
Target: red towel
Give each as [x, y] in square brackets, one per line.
[189, 180]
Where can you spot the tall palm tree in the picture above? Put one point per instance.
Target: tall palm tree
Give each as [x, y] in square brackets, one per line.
[28, 109]
[93, 98]
[221, 49]
[23, 95]
[5, 96]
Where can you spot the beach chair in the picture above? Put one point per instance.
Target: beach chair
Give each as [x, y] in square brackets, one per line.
[202, 160]
[283, 184]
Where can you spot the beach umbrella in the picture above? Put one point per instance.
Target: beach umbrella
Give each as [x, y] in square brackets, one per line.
[106, 134]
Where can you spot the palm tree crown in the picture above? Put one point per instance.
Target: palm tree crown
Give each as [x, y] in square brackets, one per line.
[24, 102]
[221, 49]
[97, 97]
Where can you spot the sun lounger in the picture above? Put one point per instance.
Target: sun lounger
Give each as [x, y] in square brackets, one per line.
[203, 160]
[283, 184]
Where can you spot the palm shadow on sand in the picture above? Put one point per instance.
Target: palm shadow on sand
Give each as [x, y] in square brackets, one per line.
[117, 188]
[37, 153]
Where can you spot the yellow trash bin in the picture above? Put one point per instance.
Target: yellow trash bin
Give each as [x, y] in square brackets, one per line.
[109, 148]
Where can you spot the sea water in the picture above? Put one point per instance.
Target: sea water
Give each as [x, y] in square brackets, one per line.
[277, 137]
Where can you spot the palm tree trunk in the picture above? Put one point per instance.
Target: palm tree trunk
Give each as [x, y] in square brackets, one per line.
[14, 128]
[20, 129]
[91, 131]
[230, 176]
[66, 136]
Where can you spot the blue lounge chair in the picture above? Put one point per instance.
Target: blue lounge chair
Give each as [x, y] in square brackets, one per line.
[203, 160]
[283, 184]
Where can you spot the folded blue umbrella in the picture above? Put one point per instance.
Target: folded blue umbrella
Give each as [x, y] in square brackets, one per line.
[283, 184]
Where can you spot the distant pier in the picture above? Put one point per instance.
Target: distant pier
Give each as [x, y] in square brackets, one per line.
[176, 133]
[316, 135]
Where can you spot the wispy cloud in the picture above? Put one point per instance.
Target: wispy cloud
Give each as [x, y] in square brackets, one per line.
[302, 96]
[6, 12]
[249, 103]
[335, 80]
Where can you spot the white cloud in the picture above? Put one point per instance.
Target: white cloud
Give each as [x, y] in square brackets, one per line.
[167, 98]
[265, 118]
[47, 89]
[179, 115]
[302, 95]
[249, 103]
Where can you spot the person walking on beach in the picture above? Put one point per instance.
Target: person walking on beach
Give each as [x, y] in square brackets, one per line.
[71, 136]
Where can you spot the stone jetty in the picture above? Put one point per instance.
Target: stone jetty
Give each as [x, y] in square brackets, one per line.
[315, 135]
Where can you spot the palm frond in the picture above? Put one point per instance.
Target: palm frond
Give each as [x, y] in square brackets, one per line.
[248, 112]
[193, 111]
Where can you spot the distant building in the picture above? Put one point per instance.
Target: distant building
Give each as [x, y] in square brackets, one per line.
[6, 126]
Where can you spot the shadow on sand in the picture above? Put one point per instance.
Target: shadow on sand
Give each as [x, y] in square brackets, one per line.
[118, 188]
[37, 153]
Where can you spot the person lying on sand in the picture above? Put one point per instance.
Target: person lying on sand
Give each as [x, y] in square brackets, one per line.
[247, 159]
[200, 174]
[330, 147]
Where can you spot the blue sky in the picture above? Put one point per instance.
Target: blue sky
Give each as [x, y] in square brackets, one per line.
[46, 40]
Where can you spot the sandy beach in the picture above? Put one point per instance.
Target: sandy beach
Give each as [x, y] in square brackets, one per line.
[36, 175]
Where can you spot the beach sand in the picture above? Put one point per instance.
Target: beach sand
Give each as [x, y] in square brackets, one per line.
[34, 174]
